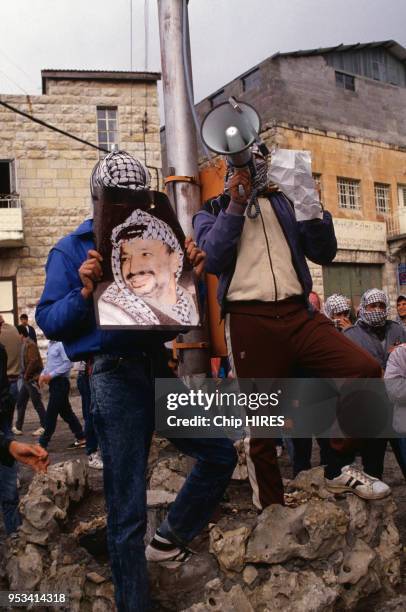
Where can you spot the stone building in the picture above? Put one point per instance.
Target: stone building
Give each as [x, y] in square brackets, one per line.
[44, 175]
[347, 105]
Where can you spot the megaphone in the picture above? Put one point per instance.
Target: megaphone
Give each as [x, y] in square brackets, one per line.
[230, 129]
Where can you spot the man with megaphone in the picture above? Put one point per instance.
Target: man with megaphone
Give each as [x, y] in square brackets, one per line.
[258, 249]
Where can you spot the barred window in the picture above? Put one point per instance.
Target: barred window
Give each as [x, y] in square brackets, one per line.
[382, 198]
[348, 193]
[107, 130]
[402, 195]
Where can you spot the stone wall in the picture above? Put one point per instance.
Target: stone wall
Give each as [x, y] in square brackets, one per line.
[52, 170]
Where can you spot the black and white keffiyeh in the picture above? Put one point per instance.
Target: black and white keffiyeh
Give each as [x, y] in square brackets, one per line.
[336, 304]
[374, 318]
[120, 169]
[143, 226]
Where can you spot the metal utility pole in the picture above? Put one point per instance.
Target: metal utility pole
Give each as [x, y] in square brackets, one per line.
[181, 149]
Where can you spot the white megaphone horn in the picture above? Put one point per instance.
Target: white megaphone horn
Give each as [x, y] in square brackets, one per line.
[230, 129]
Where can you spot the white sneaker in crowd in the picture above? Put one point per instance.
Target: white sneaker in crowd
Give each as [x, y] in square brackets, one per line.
[162, 551]
[16, 432]
[95, 461]
[354, 480]
[38, 432]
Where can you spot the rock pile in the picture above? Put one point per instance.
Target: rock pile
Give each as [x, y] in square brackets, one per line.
[40, 557]
[320, 554]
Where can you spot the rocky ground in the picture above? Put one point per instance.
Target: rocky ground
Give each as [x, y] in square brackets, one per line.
[237, 530]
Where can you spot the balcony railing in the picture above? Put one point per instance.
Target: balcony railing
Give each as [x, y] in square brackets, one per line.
[396, 223]
[11, 221]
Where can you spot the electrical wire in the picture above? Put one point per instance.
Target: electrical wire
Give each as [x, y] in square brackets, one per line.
[18, 67]
[51, 127]
[15, 83]
[188, 73]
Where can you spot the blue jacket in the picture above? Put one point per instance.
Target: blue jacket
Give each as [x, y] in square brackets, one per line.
[63, 314]
[363, 335]
[218, 233]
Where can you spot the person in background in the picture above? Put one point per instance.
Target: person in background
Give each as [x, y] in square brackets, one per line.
[11, 341]
[337, 309]
[401, 309]
[10, 450]
[56, 375]
[31, 331]
[31, 367]
[378, 336]
[83, 384]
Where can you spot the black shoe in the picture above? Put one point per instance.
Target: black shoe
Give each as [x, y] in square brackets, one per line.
[77, 444]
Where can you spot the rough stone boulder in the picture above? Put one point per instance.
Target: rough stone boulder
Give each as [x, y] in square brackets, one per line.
[321, 553]
[40, 557]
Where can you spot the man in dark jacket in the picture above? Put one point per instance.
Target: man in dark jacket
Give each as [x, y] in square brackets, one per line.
[379, 336]
[122, 385]
[31, 331]
[264, 284]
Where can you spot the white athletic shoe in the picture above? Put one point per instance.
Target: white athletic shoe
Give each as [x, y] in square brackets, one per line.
[354, 480]
[162, 551]
[95, 461]
[38, 432]
[16, 432]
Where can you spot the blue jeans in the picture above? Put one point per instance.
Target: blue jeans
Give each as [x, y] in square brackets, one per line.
[83, 384]
[123, 412]
[8, 491]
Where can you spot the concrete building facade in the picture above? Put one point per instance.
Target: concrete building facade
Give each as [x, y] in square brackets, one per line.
[347, 106]
[44, 175]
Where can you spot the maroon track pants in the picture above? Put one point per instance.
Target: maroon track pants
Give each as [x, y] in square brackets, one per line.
[270, 340]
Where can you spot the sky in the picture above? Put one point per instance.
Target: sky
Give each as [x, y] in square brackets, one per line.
[227, 37]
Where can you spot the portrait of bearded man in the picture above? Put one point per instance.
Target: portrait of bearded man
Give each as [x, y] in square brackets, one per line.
[147, 265]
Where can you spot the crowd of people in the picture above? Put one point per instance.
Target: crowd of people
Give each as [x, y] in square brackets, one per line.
[275, 327]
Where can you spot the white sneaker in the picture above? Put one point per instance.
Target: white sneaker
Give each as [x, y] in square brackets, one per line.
[16, 432]
[167, 554]
[95, 461]
[354, 480]
[38, 432]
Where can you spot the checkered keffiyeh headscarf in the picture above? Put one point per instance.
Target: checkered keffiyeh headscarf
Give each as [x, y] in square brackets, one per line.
[375, 318]
[335, 304]
[119, 169]
[143, 226]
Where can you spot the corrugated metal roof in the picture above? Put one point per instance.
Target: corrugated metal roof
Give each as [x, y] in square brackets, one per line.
[391, 45]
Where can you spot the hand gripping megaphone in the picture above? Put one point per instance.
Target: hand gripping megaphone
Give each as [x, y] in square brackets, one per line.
[230, 129]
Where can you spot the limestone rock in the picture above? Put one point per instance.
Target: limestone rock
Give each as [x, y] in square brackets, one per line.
[356, 563]
[315, 529]
[312, 482]
[229, 547]
[218, 600]
[249, 574]
[25, 569]
[168, 475]
[293, 592]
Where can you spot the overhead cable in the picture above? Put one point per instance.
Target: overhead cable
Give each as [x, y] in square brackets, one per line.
[51, 127]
